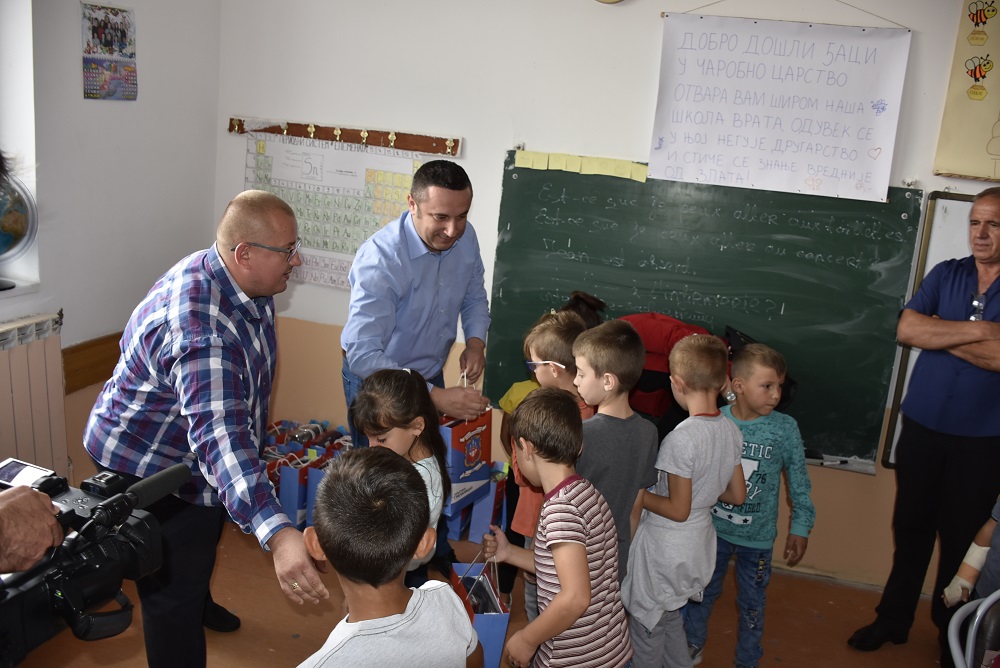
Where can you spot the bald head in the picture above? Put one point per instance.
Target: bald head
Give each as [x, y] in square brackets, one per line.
[248, 217]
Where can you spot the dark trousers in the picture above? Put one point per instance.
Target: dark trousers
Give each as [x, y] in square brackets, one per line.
[945, 489]
[173, 598]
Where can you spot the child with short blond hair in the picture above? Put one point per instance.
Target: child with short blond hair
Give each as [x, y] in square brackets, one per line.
[771, 444]
[673, 553]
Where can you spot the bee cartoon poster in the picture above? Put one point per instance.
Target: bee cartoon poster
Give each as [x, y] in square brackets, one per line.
[969, 142]
[108, 53]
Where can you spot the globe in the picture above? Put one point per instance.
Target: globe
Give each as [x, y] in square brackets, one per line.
[18, 223]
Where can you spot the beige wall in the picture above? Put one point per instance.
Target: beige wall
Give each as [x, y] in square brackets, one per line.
[851, 541]
[309, 384]
[78, 407]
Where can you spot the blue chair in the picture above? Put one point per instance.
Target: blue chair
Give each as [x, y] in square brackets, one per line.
[983, 632]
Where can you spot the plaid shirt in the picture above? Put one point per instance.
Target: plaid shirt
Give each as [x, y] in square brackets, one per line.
[193, 384]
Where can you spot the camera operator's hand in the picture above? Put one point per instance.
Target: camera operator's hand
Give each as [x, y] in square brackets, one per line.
[28, 527]
[296, 570]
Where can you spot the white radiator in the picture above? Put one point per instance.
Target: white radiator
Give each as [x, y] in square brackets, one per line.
[32, 392]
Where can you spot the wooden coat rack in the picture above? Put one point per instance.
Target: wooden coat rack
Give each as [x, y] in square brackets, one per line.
[381, 138]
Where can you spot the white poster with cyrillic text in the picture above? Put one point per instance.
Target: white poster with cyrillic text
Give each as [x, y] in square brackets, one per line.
[778, 105]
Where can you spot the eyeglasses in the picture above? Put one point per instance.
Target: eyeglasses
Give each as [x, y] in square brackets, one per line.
[978, 303]
[290, 252]
[533, 365]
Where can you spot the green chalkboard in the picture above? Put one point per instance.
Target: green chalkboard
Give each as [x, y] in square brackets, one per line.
[820, 279]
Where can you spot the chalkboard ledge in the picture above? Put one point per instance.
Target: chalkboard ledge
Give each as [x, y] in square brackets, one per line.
[855, 464]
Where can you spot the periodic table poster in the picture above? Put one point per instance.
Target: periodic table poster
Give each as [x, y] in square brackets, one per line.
[341, 194]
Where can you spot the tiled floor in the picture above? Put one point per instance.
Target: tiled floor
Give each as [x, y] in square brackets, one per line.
[808, 622]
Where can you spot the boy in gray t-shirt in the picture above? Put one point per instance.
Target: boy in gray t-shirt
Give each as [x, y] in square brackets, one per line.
[673, 555]
[619, 446]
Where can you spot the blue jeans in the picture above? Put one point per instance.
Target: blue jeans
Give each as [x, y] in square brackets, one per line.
[352, 386]
[753, 573]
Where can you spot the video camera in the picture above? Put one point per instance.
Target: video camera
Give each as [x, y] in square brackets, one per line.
[108, 538]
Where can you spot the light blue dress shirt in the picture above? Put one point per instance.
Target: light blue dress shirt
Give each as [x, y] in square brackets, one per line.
[406, 301]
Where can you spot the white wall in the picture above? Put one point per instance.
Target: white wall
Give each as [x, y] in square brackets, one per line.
[124, 189]
[17, 121]
[572, 76]
[17, 108]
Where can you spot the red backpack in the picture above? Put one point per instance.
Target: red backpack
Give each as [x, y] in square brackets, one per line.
[651, 395]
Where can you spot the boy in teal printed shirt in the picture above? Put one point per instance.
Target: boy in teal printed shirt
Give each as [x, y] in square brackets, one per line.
[771, 443]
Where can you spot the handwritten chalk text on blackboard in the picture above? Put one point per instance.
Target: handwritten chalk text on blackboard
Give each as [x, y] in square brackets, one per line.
[547, 194]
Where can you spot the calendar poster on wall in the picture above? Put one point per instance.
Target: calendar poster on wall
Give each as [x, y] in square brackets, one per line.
[109, 71]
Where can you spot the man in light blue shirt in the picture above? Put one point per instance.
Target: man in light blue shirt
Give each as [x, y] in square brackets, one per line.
[410, 282]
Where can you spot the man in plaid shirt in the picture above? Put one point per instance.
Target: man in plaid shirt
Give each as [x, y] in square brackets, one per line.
[193, 385]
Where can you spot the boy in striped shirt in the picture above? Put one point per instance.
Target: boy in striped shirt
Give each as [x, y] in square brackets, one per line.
[581, 621]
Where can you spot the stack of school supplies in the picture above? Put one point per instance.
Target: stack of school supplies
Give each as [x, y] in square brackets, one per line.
[295, 455]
